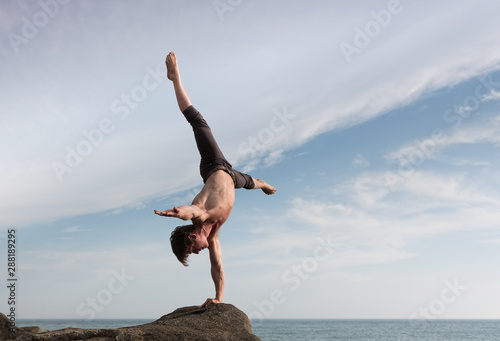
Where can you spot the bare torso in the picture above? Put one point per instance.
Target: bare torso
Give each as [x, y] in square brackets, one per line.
[216, 199]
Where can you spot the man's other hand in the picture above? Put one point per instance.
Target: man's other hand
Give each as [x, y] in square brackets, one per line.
[181, 212]
[168, 213]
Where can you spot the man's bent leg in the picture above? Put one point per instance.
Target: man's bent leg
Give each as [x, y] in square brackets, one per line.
[242, 180]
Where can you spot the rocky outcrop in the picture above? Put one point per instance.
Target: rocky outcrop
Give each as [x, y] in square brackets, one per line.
[218, 322]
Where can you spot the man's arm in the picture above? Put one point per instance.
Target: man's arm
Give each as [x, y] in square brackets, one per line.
[183, 212]
[217, 272]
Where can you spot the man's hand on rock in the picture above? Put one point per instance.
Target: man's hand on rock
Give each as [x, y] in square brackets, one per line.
[209, 301]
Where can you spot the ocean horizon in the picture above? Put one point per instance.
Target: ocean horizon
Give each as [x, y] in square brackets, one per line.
[323, 329]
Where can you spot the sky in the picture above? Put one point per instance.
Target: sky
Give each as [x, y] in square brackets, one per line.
[377, 121]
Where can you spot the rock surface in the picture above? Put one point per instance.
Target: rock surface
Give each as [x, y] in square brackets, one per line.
[218, 322]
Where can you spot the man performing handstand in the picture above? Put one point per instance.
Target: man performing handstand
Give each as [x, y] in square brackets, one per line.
[212, 206]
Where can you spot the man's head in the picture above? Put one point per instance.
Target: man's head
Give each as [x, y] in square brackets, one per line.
[186, 240]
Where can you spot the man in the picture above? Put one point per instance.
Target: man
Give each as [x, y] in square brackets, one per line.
[212, 206]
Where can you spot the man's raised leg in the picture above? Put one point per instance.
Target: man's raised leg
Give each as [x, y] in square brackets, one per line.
[207, 146]
[173, 74]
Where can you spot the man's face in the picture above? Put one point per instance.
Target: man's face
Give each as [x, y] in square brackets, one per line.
[198, 243]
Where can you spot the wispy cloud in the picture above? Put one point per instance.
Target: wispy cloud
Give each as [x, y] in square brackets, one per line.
[379, 225]
[360, 162]
[58, 92]
[73, 229]
[273, 158]
[492, 96]
[431, 147]
[133, 206]
[113, 175]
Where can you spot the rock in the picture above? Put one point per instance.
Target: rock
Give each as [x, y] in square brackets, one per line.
[218, 322]
[33, 330]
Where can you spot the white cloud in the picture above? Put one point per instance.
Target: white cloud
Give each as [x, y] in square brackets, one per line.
[360, 162]
[73, 229]
[273, 158]
[263, 63]
[489, 134]
[379, 225]
[421, 191]
[135, 206]
[418, 151]
[491, 96]
[368, 190]
[138, 161]
[354, 236]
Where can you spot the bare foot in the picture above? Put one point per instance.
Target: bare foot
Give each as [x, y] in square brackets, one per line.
[269, 189]
[172, 69]
[264, 186]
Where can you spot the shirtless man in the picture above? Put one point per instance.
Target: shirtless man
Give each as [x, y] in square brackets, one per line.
[212, 206]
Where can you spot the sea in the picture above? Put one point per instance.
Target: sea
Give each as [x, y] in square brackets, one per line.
[323, 330]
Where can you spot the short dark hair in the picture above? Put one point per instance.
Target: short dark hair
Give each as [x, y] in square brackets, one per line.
[179, 239]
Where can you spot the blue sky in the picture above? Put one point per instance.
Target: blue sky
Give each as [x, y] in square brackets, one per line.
[378, 122]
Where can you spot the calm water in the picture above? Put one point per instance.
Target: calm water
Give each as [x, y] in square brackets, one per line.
[377, 330]
[323, 330]
[74, 323]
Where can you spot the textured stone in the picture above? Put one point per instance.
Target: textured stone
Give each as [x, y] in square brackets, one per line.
[218, 322]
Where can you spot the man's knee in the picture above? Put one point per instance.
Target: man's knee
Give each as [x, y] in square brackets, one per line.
[243, 181]
[194, 117]
[250, 183]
